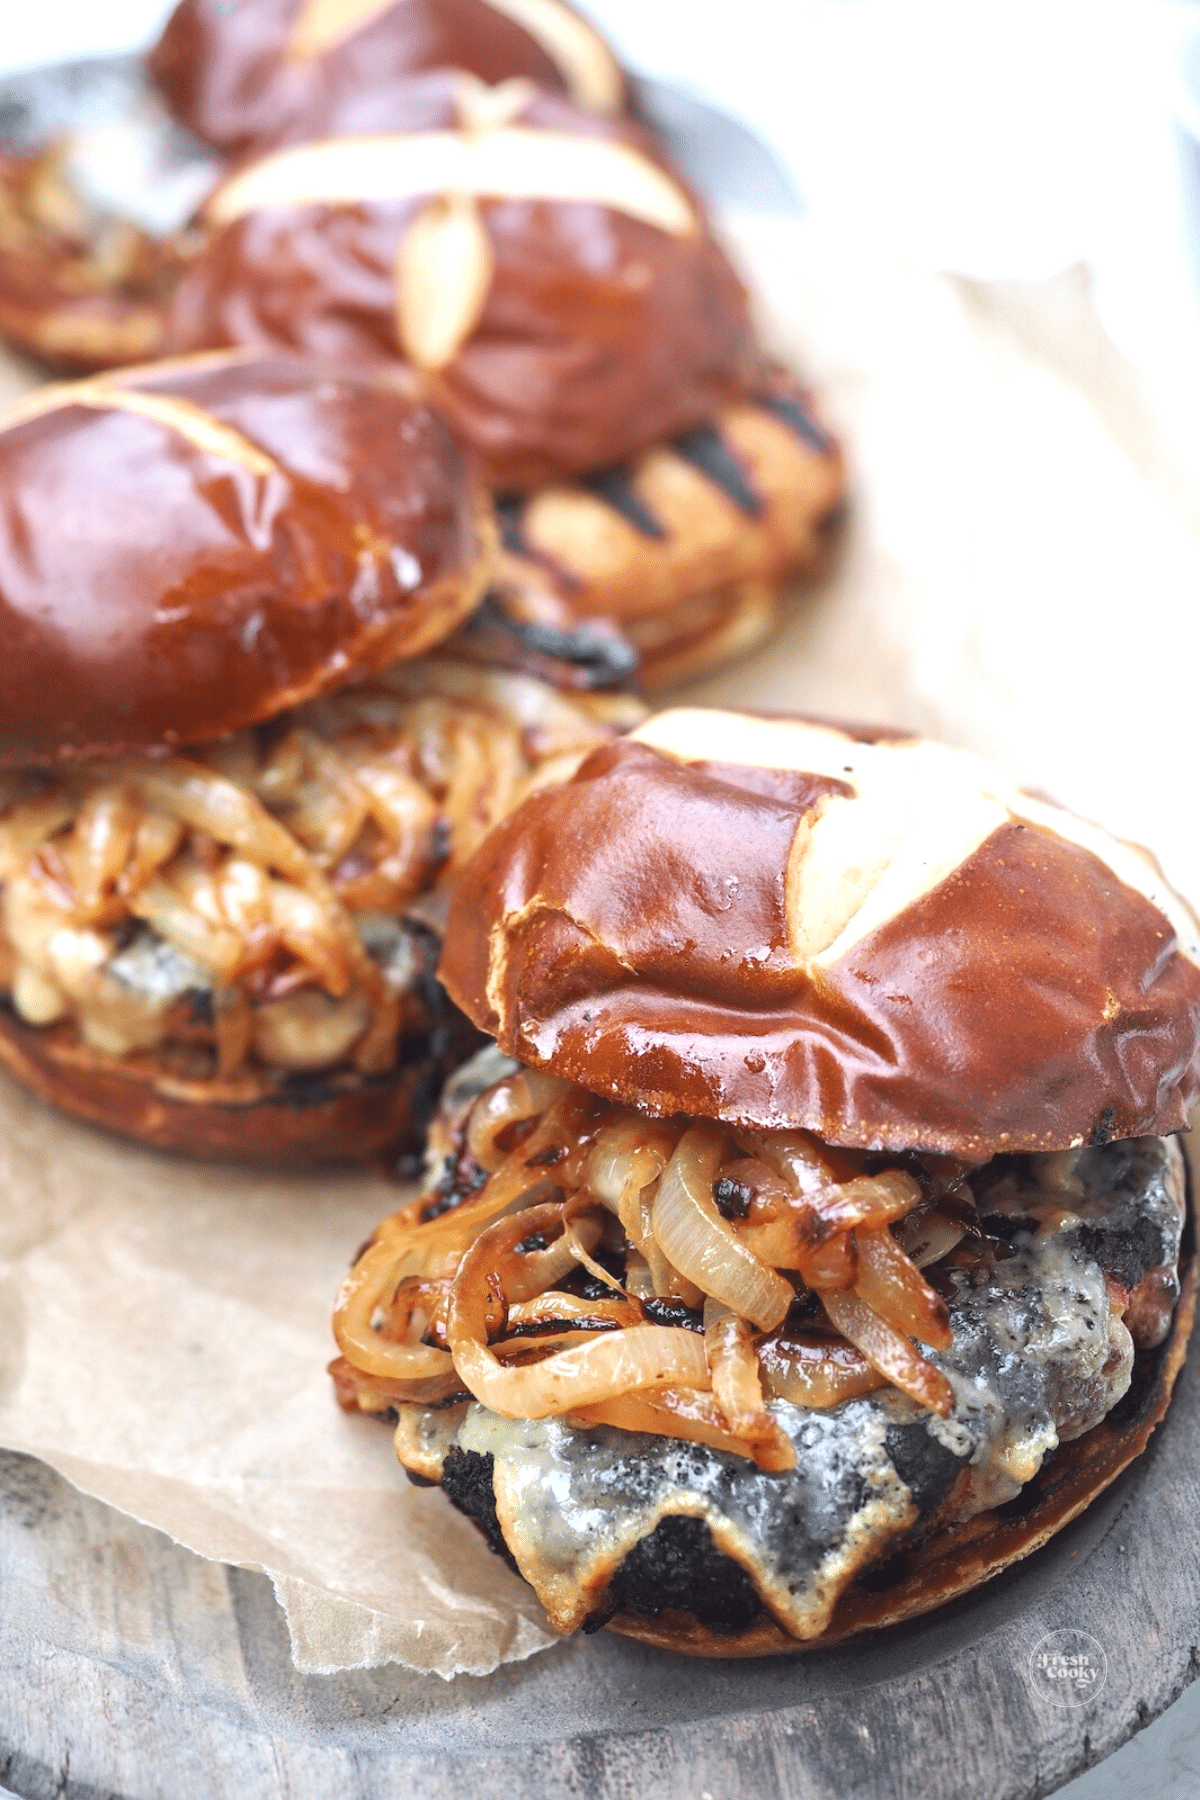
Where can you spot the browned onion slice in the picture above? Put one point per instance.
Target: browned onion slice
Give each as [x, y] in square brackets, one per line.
[683, 1413]
[377, 1393]
[869, 1200]
[834, 1265]
[887, 1351]
[573, 1309]
[608, 1364]
[815, 1372]
[893, 1286]
[737, 1389]
[99, 846]
[701, 1244]
[506, 1104]
[926, 1240]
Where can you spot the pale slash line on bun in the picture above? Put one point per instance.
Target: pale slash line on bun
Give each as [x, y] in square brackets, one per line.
[587, 65]
[510, 163]
[110, 393]
[916, 811]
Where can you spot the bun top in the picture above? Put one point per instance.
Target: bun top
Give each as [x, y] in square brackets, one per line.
[546, 274]
[189, 548]
[787, 924]
[259, 70]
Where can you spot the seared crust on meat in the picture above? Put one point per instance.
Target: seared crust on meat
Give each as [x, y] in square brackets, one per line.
[940, 1560]
[950, 1562]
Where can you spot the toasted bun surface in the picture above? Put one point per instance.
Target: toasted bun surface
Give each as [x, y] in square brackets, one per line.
[333, 1117]
[237, 75]
[190, 548]
[786, 924]
[545, 273]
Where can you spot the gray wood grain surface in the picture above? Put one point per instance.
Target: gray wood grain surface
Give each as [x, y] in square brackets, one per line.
[131, 1668]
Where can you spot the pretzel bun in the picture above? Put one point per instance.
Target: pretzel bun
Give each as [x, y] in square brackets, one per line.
[243, 73]
[546, 275]
[256, 1117]
[189, 548]
[783, 923]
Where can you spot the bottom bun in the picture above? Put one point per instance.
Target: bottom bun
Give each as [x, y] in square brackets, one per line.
[254, 1117]
[950, 1562]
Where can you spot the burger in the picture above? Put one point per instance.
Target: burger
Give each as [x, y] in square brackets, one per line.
[84, 285]
[545, 279]
[260, 70]
[813, 1240]
[236, 776]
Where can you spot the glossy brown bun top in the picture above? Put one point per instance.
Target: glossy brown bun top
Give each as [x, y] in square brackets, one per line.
[546, 274]
[785, 924]
[260, 70]
[189, 548]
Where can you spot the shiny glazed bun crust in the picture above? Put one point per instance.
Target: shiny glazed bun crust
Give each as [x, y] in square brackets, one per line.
[544, 273]
[189, 548]
[240, 74]
[786, 924]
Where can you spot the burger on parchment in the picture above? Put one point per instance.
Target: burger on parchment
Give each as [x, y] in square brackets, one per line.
[237, 775]
[814, 1242]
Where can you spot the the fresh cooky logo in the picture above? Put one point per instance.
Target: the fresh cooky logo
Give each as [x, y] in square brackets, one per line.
[1068, 1668]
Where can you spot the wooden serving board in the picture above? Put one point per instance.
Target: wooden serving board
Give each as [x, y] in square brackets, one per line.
[130, 1668]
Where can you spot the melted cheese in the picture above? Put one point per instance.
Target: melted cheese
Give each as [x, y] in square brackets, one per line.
[1037, 1358]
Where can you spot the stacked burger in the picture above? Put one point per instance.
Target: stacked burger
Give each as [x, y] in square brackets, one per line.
[810, 1244]
[386, 266]
[235, 783]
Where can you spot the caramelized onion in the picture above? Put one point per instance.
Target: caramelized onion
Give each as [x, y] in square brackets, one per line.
[733, 1360]
[573, 1309]
[869, 1200]
[888, 1352]
[816, 1373]
[893, 1287]
[926, 1240]
[704, 1246]
[506, 1104]
[609, 1364]
[676, 1412]
[343, 808]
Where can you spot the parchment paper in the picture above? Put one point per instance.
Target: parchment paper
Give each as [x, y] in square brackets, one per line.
[1021, 575]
